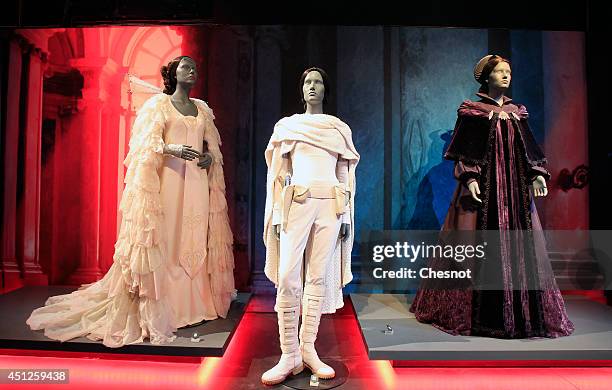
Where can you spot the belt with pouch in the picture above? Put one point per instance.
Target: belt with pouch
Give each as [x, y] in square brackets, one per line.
[296, 193]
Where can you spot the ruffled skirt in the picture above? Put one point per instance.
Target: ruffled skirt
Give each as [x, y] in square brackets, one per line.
[106, 310]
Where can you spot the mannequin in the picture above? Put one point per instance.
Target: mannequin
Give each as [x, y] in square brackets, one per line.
[200, 259]
[173, 261]
[308, 224]
[500, 169]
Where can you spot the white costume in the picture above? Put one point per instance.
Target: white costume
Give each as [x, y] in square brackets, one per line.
[317, 151]
[173, 262]
[331, 135]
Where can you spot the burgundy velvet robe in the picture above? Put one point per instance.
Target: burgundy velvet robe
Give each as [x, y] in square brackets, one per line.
[504, 158]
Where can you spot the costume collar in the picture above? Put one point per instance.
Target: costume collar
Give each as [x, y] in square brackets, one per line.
[489, 99]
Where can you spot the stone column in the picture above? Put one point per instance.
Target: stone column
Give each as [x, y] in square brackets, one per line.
[97, 231]
[270, 42]
[12, 273]
[32, 169]
[565, 119]
[566, 147]
[229, 75]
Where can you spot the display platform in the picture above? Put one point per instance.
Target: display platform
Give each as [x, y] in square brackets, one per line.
[412, 341]
[16, 306]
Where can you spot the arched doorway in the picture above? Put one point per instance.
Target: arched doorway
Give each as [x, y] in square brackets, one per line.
[142, 56]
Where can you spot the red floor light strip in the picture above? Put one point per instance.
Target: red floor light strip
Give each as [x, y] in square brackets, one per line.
[387, 373]
[206, 370]
[255, 345]
[501, 363]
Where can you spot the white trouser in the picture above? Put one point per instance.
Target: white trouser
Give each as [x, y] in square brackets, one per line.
[312, 226]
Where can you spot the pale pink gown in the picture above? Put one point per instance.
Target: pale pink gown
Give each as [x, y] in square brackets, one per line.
[185, 202]
[173, 261]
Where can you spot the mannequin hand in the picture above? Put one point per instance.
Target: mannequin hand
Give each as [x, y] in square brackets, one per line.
[539, 186]
[205, 160]
[186, 152]
[277, 229]
[474, 190]
[345, 231]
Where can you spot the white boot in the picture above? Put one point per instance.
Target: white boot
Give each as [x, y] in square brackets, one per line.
[312, 306]
[291, 360]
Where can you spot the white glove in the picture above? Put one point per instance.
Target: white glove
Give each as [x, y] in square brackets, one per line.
[186, 152]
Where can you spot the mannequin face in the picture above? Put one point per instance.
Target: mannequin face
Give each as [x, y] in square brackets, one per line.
[186, 72]
[313, 88]
[500, 77]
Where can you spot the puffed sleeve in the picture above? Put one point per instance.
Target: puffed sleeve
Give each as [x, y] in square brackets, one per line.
[535, 155]
[537, 170]
[466, 173]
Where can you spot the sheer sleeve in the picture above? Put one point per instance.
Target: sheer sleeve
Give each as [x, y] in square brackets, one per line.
[138, 249]
[342, 173]
[220, 259]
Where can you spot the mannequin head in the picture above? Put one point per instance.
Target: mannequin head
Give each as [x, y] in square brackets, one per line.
[181, 70]
[496, 76]
[314, 88]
